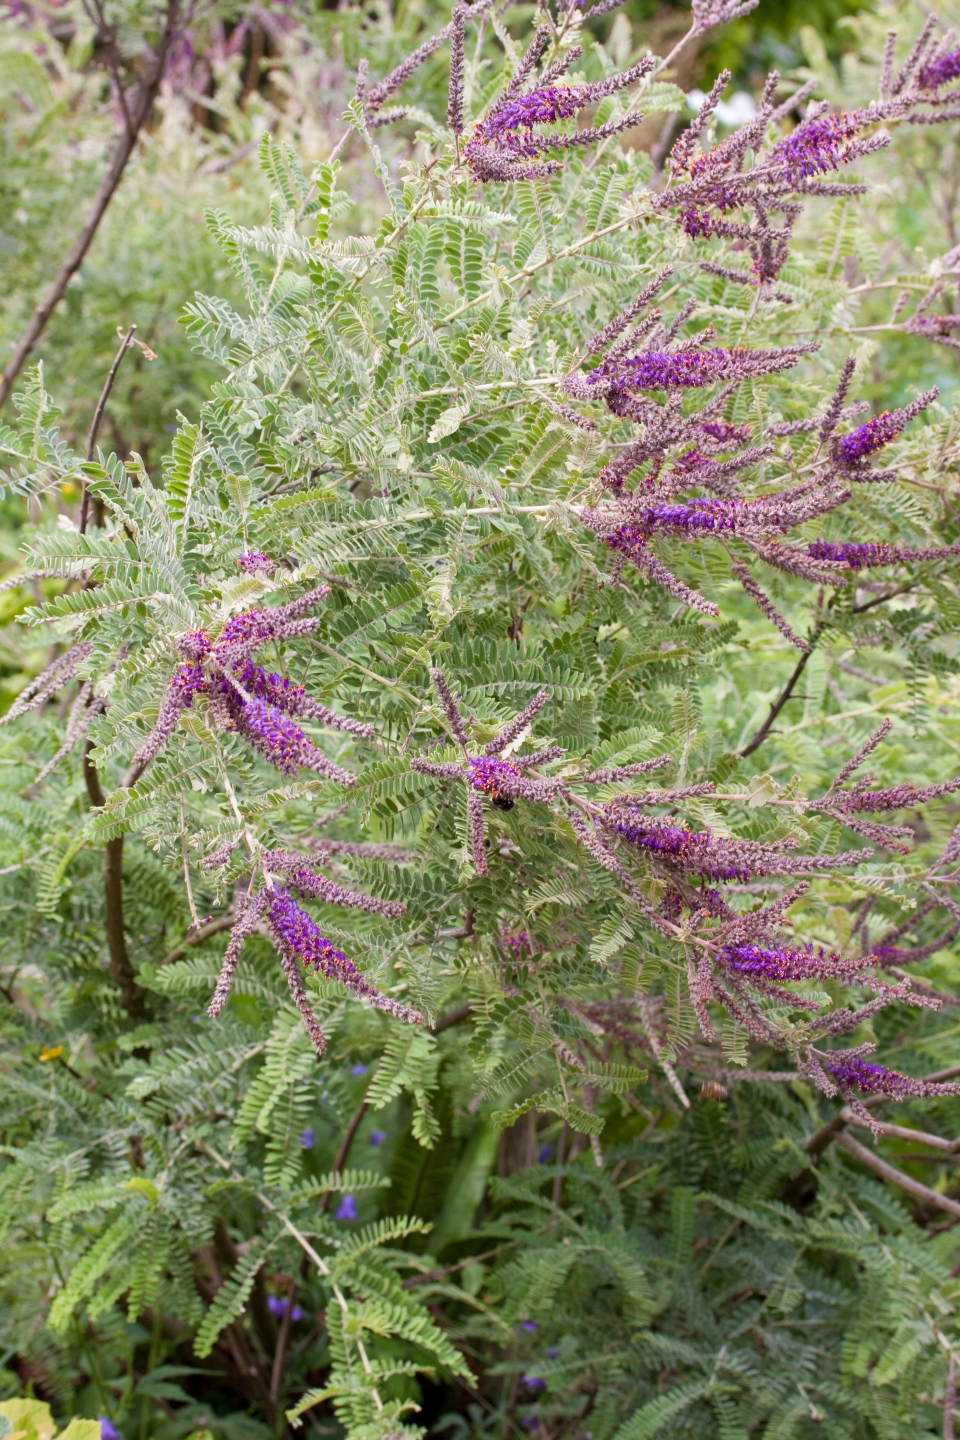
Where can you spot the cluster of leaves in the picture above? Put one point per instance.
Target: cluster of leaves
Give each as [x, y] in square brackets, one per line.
[208, 1229]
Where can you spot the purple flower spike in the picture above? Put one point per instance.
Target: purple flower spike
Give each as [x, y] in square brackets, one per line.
[377, 1138]
[663, 370]
[870, 437]
[783, 965]
[856, 1074]
[819, 145]
[539, 107]
[347, 1209]
[298, 938]
[855, 556]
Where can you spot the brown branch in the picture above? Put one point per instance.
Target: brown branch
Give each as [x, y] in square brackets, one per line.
[263, 1321]
[132, 996]
[125, 344]
[139, 112]
[452, 1017]
[340, 1159]
[897, 1177]
[222, 922]
[785, 694]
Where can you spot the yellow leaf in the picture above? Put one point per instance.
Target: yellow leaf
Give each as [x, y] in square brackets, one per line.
[32, 1417]
[81, 1430]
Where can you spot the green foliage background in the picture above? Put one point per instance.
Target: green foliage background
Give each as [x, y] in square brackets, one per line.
[705, 1278]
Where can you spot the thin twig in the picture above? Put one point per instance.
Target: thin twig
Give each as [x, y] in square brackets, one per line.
[125, 344]
[785, 694]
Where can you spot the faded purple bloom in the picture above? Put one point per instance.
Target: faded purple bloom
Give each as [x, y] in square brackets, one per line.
[709, 856]
[108, 1431]
[516, 942]
[347, 1209]
[455, 86]
[306, 1138]
[520, 722]
[358, 1070]
[314, 886]
[552, 1352]
[533, 1382]
[725, 433]
[867, 555]
[545, 1154]
[896, 797]
[377, 1138]
[940, 72]
[254, 562]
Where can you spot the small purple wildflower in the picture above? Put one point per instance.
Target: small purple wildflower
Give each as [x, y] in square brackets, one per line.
[358, 1070]
[278, 1307]
[306, 1138]
[489, 775]
[552, 1352]
[545, 1154]
[529, 1326]
[377, 1138]
[108, 1431]
[819, 145]
[940, 72]
[876, 433]
[347, 1209]
[533, 1382]
[724, 432]
[254, 562]
[539, 107]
